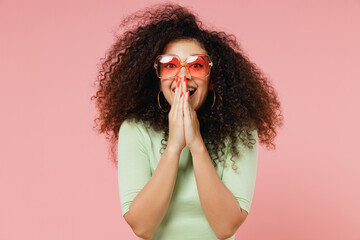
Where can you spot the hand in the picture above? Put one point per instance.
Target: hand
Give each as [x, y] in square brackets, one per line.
[193, 137]
[176, 140]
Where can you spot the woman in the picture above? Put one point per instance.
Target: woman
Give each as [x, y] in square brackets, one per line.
[179, 99]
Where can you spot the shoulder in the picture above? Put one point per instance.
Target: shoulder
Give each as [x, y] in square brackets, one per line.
[243, 150]
[137, 128]
[253, 134]
[131, 127]
[133, 124]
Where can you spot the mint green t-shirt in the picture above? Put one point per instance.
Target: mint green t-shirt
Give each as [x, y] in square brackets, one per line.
[138, 156]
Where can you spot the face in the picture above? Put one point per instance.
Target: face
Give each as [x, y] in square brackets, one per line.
[184, 48]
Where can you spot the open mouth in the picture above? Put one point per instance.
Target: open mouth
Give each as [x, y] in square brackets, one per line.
[191, 90]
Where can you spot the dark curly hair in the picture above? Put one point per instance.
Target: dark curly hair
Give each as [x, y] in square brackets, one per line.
[128, 85]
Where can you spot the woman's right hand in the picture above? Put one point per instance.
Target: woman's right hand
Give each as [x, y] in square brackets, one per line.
[176, 140]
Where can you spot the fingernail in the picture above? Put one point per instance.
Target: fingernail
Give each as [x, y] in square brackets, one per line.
[177, 79]
[178, 83]
[185, 82]
[181, 94]
[188, 93]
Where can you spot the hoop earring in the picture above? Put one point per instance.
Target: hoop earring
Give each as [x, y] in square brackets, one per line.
[158, 98]
[214, 99]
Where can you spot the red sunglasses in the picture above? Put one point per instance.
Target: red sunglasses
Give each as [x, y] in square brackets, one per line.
[169, 65]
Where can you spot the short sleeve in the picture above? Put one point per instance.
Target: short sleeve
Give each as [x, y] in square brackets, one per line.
[241, 182]
[133, 163]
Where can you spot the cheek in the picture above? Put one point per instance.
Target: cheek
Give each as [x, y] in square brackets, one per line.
[204, 84]
[165, 88]
[164, 84]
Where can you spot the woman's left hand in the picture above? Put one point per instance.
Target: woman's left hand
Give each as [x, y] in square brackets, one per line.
[193, 137]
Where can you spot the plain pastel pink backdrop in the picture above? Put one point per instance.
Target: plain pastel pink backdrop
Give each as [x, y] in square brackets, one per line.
[56, 178]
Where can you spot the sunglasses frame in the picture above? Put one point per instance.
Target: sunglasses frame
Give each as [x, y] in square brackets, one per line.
[183, 64]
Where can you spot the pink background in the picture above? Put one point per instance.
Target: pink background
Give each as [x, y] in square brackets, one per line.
[56, 178]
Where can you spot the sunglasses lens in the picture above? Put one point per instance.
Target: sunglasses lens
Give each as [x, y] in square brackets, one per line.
[167, 66]
[198, 66]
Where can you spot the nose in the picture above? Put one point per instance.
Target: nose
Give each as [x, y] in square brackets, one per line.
[183, 72]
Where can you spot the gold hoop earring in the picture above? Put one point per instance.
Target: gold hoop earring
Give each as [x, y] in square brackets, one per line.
[214, 99]
[158, 98]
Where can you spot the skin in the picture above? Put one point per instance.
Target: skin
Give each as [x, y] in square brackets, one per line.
[184, 129]
[220, 206]
[184, 48]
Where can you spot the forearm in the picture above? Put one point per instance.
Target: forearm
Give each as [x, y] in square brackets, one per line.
[150, 205]
[218, 203]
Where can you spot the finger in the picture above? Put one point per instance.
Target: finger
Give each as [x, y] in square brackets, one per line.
[184, 88]
[188, 104]
[181, 87]
[186, 107]
[176, 89]
[181, 108]
[186, 92]
[191, 110]
[176, 97]
[181, 103]
[186, 101]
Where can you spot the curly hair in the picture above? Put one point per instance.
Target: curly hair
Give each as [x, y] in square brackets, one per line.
[128, 85]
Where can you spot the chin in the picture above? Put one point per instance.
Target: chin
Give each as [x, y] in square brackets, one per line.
[194, 106]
